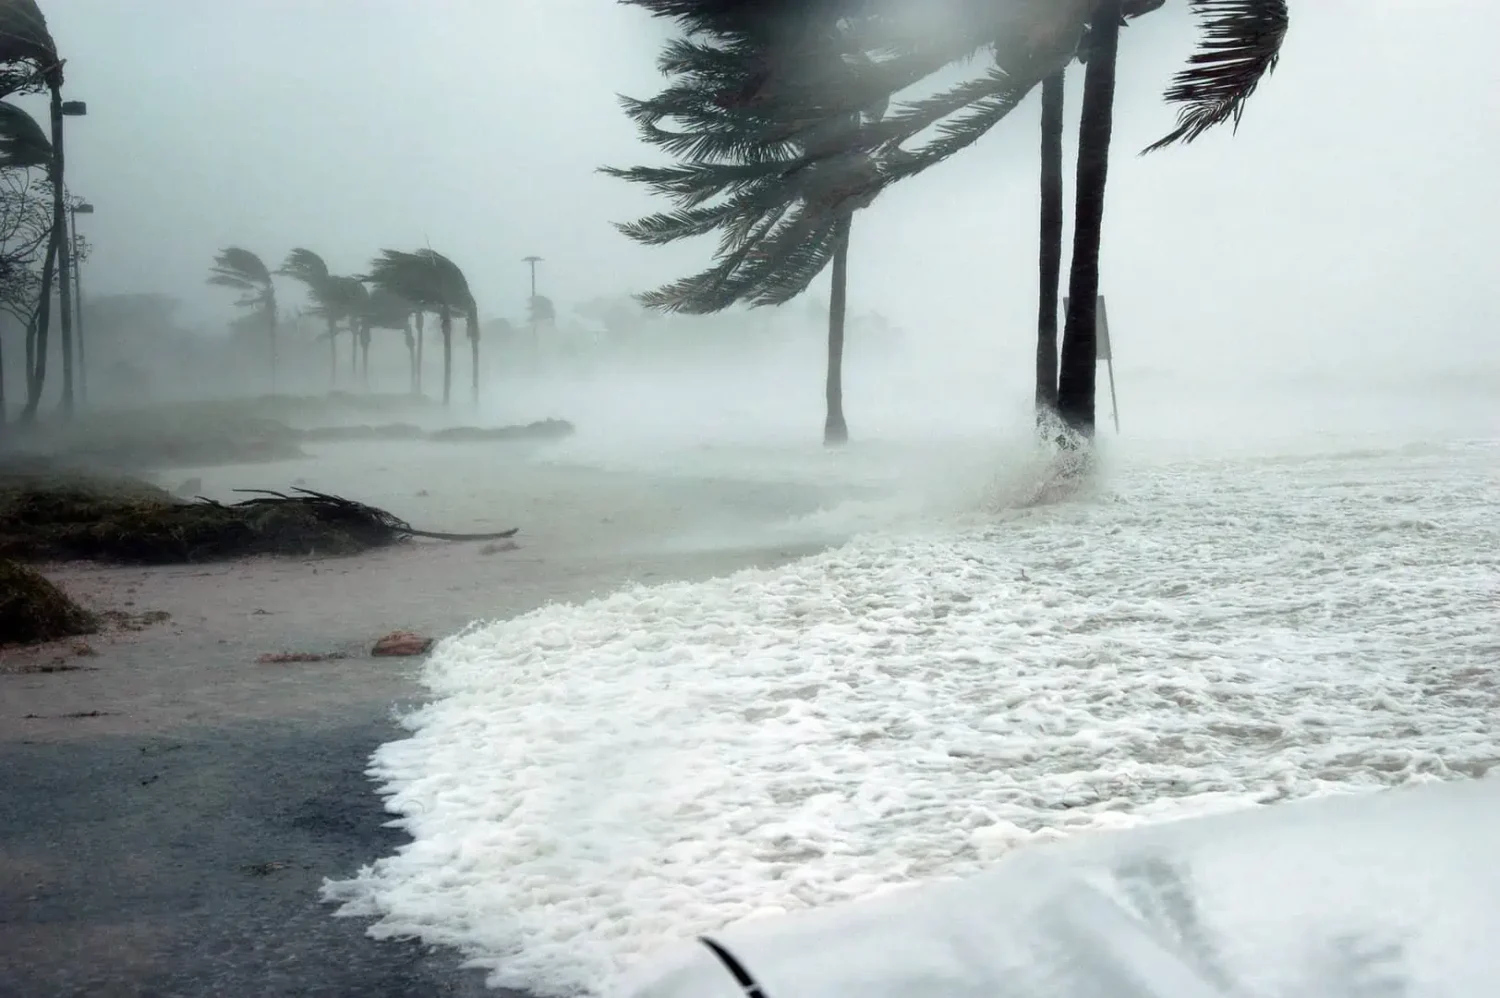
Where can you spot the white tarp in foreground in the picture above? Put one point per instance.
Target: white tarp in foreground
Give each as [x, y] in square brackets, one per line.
[1389, 895]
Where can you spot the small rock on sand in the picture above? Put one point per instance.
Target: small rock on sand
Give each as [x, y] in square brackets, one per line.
[401, 643]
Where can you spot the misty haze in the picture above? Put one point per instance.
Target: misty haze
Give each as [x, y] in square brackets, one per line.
[494, 491]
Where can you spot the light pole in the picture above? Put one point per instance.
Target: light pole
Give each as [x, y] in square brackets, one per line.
[63, 109]
[79, 208]
[532, 261]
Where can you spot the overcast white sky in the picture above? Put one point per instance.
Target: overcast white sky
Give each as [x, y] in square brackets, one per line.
[1352, 219]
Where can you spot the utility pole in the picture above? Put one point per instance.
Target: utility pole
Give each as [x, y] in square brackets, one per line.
[76, 209]
[531, 310]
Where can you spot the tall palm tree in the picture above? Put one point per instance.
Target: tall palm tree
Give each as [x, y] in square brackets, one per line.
[386, 310]
[781, 217]
[432, 283]
[242, 270]
[29, 63]
[310, 269]
[353, 302]
[1050, 254]
[24, 146]
[799, 92]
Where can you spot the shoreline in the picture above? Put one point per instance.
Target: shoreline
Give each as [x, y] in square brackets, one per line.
[173, 810]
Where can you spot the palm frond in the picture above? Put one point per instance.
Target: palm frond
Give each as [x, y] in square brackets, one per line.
[963, 114]
[236, 263]
[306, 266]
[22, 142]
[1240, 45]
[27, 50]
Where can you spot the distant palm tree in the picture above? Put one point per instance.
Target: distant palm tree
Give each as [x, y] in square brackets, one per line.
[308, 267]
[29, 63]
[386, 310]
[353, 302]
[432, 283]
[245, 272]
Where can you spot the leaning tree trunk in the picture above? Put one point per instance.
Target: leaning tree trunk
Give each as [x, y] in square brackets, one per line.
[835, 430]
[411, 357]
[471, 325]
[364, 357]
[60, 235]
[270, 306]
[1050, 255]
[333, 354]
[421, 341]
[445, 324]
[1075, 390]
[36, 335]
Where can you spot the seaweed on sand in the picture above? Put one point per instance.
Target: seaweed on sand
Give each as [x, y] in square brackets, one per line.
[33, 608]
[83, 522]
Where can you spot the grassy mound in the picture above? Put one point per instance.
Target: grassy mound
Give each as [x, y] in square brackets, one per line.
[545, 429]
[169, 436]
[128, 521]
[33, 609]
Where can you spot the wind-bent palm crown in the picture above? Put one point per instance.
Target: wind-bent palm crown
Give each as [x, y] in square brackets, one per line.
[794, 90]
[28, 55]
[23, 144]
[242, 270]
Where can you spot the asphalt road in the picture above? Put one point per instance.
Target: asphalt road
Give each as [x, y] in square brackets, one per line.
[190, 865]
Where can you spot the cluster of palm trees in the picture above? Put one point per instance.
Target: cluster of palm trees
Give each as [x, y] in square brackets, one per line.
[30, 63]
[399, 292]
[783, 119]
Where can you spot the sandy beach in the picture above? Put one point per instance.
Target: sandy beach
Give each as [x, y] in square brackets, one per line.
[173, 805]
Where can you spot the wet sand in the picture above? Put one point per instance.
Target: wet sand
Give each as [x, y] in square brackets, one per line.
[171, 806]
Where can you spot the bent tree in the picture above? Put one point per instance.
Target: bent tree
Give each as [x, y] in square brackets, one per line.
[240, 269]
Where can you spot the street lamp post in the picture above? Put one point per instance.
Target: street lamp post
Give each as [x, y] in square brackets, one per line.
[63, 109]
[80, 208]
[536, 345]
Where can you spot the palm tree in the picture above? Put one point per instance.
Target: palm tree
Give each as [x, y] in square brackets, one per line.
[24, 146]
[799, 93]
[1050, 255]
[782, 218]
[386, 310]
[309, 268]
[29, 63]
[242, 270]
[353, 300]
[432, 283]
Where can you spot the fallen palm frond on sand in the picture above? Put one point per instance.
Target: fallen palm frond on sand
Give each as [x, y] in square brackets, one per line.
[134, 523]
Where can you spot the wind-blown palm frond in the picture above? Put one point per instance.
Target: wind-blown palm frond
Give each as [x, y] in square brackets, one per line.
[385, 309]
[22, 141]
[772, 179]
[426, 278]
[1240, 45]
[244, 271]
[28, 55]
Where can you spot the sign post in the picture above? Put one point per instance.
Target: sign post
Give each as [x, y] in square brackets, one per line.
[1104, 352]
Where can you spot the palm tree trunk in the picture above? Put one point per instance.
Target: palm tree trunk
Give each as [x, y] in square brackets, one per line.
[1075, 390]
[471, 324]
[835, 430]
[421, 341]
[36, 377]
[1051, 246]
[411, 357]
[333, 354]
[60, 235]
[271, 339]
[364, 358]
[445, 323]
